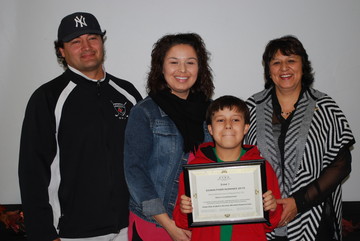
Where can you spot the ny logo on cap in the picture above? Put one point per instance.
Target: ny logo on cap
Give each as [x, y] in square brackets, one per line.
[80, 21]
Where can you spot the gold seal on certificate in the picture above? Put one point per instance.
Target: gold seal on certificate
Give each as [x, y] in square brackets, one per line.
[226, 192]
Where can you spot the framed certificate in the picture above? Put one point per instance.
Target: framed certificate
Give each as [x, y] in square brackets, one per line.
[226, 192]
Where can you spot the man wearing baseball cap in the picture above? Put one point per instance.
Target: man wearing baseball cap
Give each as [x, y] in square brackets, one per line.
[71, 152]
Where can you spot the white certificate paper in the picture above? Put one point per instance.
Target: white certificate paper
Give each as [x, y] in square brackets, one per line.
[226, 193]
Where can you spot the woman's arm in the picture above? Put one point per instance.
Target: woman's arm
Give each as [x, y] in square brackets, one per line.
[137, 153]
[176, 233]
[317, 191]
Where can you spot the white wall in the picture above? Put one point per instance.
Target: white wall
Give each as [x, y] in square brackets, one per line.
[235, 32]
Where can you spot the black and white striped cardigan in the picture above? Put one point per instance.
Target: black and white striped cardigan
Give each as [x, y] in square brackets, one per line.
[317, 132]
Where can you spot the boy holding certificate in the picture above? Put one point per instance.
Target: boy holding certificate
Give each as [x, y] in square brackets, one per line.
[228, 121]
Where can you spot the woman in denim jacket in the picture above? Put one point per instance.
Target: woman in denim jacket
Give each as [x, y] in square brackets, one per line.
[161, 132]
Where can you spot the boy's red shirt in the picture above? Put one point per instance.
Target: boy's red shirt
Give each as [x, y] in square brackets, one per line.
[246, 232]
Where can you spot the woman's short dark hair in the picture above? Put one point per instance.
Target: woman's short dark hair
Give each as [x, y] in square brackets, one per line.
[287, 45]
[228, 101]
[60, 44]
[156, 81]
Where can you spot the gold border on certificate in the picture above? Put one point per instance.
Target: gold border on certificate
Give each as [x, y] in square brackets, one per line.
[226, 192]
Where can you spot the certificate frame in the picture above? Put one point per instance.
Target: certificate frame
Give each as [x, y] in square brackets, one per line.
[226, 193]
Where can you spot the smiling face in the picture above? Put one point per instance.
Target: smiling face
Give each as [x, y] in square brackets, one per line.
[228, 129]
[86, 54]
[286, 72]
[180, 69]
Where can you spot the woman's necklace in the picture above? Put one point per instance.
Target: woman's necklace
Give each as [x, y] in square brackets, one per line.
[286, 113]
[285, 101]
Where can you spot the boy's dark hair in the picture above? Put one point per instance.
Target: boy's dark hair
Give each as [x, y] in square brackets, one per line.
[228, 101]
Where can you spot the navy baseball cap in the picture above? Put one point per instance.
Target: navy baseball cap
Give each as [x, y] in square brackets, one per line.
[77, 24]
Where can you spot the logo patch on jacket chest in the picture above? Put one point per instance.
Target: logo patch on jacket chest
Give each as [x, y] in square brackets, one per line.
[120, 110]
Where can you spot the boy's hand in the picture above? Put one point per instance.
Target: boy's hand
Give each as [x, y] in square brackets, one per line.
[269, 201]
[185, 204]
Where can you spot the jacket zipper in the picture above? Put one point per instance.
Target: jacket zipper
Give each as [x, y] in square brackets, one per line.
[98, 87]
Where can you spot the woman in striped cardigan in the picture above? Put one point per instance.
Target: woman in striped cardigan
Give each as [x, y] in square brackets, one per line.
[306, 138]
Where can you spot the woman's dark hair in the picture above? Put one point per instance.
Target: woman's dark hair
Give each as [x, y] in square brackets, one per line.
[156, 81]
[287, 45]
[60, 44]
[228, 101]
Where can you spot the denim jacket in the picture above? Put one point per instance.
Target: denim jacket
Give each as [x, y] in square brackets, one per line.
[153, 159]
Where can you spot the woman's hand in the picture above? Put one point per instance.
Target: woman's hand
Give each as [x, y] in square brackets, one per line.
[185, 204]
[289, 210]
[269, 201]
[176, 233]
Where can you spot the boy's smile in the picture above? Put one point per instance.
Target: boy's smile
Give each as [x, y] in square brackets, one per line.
[228, 129]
